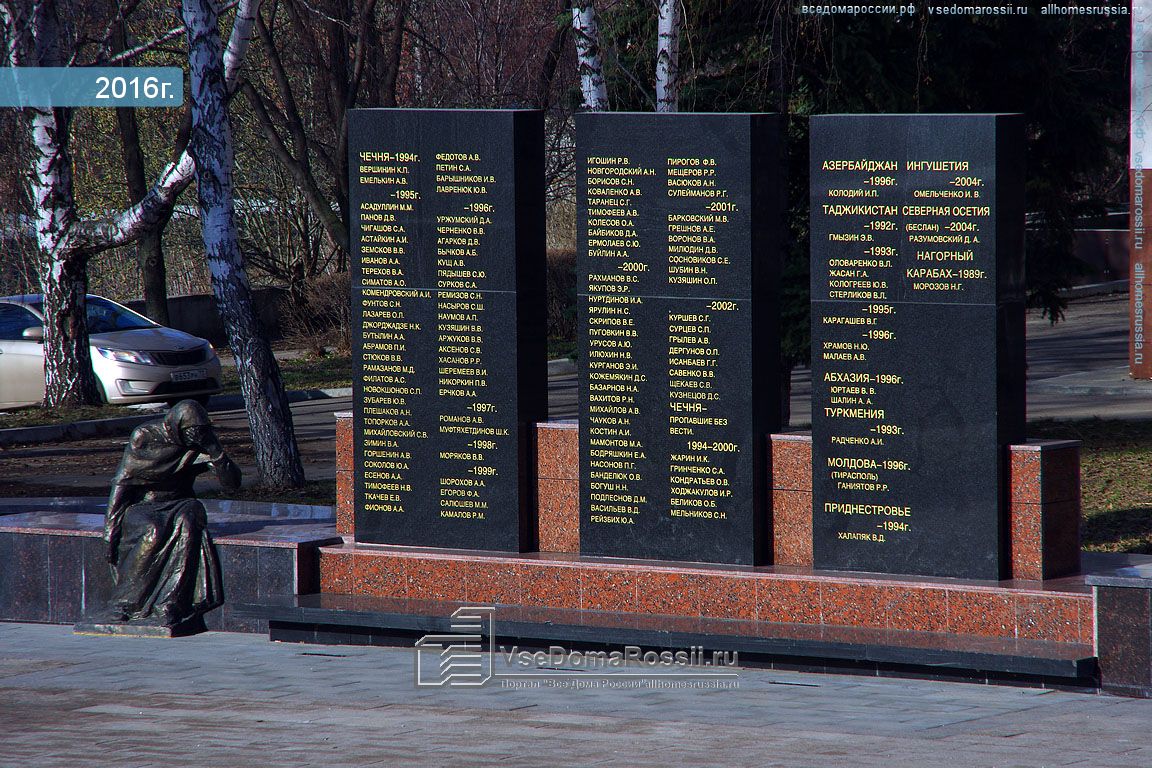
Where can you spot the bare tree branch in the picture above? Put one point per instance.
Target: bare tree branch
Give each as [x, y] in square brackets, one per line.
[298, 167]
[151, 45]
[95, 235]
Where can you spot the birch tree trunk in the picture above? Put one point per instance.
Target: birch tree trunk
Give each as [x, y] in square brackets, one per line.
[68, 377]
[668, 56]
[586, 30]
[274, 441]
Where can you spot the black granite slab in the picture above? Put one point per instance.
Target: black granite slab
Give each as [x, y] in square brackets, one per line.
[66, 582]
[679, 238]
[917, 340]
[447, 227]
[24, 586]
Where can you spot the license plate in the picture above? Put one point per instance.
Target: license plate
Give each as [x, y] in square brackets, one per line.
[194, 375]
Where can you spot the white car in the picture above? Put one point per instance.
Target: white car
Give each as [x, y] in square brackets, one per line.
[134, 359]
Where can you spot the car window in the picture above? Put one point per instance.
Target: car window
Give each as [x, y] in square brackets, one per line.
[13, 320]
[105, 317]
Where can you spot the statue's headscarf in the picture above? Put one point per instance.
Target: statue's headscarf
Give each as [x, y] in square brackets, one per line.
[159, 449]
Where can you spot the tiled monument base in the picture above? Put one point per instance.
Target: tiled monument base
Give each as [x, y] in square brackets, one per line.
[1036, 619]
[778, 615]
[1059, 612]
[55, 571]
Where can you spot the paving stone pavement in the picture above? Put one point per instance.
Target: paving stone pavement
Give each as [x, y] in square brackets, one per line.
[233, 701]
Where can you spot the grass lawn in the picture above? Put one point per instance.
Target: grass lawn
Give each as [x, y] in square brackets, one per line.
[333, 372]
[34, 416]
[316, 492]
[1116, 480]
[558, 348]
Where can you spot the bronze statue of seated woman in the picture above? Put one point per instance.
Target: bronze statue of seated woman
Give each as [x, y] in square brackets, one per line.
[164, 563]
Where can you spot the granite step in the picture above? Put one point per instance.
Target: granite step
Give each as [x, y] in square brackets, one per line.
[337, 619]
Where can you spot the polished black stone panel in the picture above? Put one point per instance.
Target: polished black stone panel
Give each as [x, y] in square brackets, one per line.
[97, 578]
[240, 567]
[447, 229]
[1123, 586]
[243, 581]
[214, 620]
[917, 340]
[278, 571]
[679, 238]
[8, 584]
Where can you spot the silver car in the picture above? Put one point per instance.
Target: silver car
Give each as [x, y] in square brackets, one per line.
[134, 359]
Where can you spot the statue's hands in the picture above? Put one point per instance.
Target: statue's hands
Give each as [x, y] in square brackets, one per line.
[227, 472]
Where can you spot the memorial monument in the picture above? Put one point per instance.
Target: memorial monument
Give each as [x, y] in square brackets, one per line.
[918, 357]
[447, 214]
[679, 232]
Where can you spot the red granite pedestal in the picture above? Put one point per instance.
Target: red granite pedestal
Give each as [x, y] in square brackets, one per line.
[1044, 601]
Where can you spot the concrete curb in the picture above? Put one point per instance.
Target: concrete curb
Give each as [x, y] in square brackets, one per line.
[1090, 390]
[73, 430]
[561, 367]
[1112, 382]
[236, 402]
[123, 425]
[1095, 289]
